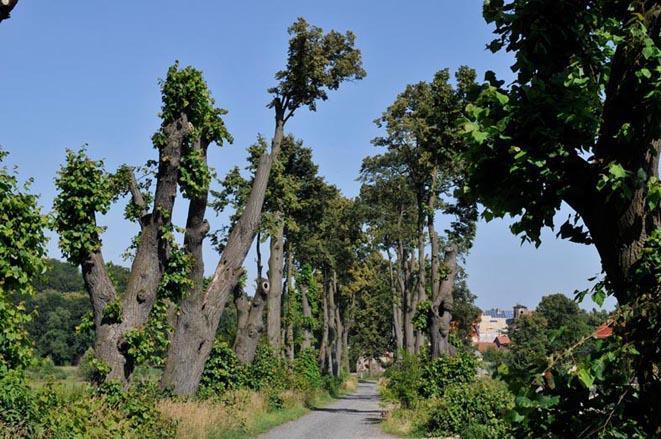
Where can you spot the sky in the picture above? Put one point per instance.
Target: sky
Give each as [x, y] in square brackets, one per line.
[86, 73]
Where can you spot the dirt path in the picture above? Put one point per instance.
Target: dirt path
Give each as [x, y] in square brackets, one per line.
[352, 416]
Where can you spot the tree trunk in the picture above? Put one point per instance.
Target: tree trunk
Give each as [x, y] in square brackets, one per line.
[250, 321]
[397, 295]
[274, 301]
[307, 318]
[420, 338]
[147, 268]
[441, 309]
[408, 299]
[289, 298]
[200, 312]
[324, 348]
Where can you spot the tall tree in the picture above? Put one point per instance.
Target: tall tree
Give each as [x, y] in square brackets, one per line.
[190, 123]
[580, 125]
[317, 63]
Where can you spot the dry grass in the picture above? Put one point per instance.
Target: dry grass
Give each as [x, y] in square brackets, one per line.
[350, 384]
[398, 422]
[196, 419]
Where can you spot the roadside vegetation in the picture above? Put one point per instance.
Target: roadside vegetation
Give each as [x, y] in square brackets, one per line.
[166, 348]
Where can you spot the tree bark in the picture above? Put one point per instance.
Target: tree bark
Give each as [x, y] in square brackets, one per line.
[288, 298]
[441, 309]
[397, 295]
[274, 301]
[250, 321]
[147, 267]
[337, 327]
[200, 312]
[307, 317]
[325, 333]
[408, 299]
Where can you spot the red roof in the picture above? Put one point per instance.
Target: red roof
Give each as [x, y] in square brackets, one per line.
[502, 340]
[603, 331]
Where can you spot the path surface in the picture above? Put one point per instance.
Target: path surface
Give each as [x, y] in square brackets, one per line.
[352, 416]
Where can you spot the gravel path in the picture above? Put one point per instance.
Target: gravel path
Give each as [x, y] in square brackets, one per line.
[352, 416]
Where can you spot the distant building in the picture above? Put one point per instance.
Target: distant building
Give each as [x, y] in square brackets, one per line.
[492, 324]
[502, 341]
[520, 311]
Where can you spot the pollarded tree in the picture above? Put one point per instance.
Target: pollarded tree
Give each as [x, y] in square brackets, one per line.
[580, 124]
[316, 64]
[22, 252]
[190, 123]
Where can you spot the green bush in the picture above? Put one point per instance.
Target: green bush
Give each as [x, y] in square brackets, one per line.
[476, 410]
[268, 370]
[447, 370]
[404, 380]
[57, 412]
[222, 372]
[306, 373]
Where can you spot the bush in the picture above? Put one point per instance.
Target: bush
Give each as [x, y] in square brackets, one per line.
[223, 371]
[306, 373]
[55, 412]
[476, 410]
[404, 380]
[268, 370]
[447, 370]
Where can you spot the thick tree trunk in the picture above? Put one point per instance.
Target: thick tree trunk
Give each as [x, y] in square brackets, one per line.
[200, 312]
[441, 309]
[147, 267]
[274, 301]
[420, 339]
[307, 342]
[250, 321]
[6, 7]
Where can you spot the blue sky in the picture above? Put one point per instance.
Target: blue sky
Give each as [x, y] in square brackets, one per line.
[82, 72]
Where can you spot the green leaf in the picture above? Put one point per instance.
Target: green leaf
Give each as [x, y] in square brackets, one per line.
[585, 377]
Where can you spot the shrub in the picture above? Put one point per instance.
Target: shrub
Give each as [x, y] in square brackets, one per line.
[268, 370]
[306, 373]
[447, 370]
[404, 380]
[18, 407]
[476, 410]
[223, 371]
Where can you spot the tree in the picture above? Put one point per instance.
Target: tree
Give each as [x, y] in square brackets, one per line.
[22, 249]
[423, 135]
[6, 7]
[190, 122]
[59, 276]
[317, 63]
[580, 125]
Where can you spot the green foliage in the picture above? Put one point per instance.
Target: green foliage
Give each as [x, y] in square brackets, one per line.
[53, 412]
[316, 63]
[446, 370]
[306, 373]
[222, 371]
[93, 369]
[84, 189]
[268, 370]
[421, 318]
[404, 380]
[22, 248]
[59, 276]
[473, 410]
[184, 91]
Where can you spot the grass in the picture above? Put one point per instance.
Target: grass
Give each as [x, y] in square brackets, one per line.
[243, 413]
[240, 414]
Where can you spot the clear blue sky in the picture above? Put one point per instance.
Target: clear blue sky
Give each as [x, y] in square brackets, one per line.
[83, 71]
